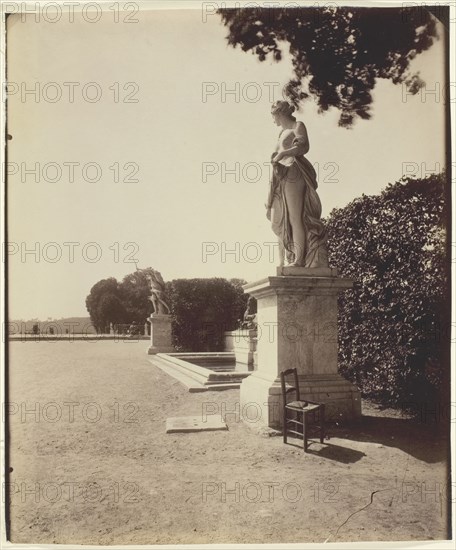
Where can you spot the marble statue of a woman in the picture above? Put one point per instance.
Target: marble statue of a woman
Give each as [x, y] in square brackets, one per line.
[293, 206]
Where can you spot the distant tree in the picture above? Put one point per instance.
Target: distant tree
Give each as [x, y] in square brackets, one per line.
[105, 305]
[110, 309]
[134, 292]
[338, 53]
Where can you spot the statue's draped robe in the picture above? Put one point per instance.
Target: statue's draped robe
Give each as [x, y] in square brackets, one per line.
[300, 171]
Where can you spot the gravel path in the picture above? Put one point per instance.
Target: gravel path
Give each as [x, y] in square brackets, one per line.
[91, 463]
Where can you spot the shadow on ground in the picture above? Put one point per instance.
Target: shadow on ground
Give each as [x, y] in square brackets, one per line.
[423, 441]
[330, 451]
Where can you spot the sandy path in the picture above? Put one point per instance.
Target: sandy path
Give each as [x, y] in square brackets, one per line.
[108, 474]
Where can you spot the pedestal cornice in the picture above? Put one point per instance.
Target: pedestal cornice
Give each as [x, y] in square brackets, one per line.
[303, 285]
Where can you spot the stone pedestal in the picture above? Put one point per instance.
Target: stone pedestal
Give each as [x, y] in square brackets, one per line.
[297, 328]
[244, 345]
[160, 334]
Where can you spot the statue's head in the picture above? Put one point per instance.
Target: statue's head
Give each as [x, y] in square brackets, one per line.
[281, 109]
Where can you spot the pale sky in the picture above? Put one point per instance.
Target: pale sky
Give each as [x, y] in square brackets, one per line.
[181, 142]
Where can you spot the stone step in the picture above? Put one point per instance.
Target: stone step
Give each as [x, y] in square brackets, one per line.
[200, 359]
[180, 375]
[198, 378]
[214, 387]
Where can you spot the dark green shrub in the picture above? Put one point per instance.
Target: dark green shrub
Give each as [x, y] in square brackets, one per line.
[394, 324]
[202, 310]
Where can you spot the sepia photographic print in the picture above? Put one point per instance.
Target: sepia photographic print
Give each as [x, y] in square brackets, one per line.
[227, 258]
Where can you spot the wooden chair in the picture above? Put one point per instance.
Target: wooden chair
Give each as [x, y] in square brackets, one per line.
[297, 413]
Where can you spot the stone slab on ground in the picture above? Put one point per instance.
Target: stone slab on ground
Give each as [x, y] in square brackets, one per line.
[186, 424]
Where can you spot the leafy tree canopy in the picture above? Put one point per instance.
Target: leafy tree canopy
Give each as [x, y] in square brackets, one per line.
[135, 293]
[104, 304]
[337, 52]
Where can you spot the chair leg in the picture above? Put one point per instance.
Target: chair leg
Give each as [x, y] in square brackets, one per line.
[284, 421]
[304, 431]
[322, 423]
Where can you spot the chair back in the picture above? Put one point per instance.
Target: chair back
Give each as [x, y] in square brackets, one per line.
[291, 388]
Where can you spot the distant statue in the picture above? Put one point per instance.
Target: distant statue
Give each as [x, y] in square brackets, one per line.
[250, 315]
[158, 292]
[293, 206]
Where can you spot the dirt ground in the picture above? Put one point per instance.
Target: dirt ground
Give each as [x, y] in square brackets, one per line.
[91, 462]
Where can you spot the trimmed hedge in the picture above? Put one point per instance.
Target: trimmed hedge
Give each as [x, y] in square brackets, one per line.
[203, 309]
[394, 325]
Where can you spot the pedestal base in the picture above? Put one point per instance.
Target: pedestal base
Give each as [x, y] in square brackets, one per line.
[244, 343]
[160, 334]
[342, 399]
[297, 329]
